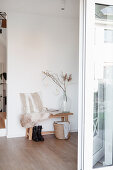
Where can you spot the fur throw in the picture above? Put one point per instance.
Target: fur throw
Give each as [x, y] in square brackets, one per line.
[30, 120]
[32, 110]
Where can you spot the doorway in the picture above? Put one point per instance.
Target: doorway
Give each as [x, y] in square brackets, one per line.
[96, 85]
[3, 73]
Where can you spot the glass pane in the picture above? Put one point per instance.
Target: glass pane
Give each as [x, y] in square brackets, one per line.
[108, 36]
[104, 12]
[103, 87]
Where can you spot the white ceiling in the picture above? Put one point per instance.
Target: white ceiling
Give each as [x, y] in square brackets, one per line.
[44, 7]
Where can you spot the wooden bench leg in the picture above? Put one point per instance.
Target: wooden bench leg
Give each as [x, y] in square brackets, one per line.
[66, 118]
[62, 119]
[30, 133]
[27, 132]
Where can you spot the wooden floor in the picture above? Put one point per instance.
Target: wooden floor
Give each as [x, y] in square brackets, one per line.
[2, 120]
[52, 154]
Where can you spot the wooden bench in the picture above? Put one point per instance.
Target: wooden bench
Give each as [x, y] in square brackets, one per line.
[63, 116]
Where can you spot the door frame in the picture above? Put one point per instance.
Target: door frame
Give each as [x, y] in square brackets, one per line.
[81, 96]
[4, 132]
[85, 140]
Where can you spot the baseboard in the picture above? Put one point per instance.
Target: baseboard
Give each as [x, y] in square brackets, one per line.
[16, 135]
[2, 132]
[75, 130]
[52, 132]
[23, 134]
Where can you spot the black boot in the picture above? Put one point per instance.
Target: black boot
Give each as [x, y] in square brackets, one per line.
[40, 137]
[34, 134]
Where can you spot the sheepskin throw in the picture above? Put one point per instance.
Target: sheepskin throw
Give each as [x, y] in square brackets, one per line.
[32, 110]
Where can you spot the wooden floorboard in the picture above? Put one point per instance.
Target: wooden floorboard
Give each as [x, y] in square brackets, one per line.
[2, 123]
[2, 120]
[52, 154]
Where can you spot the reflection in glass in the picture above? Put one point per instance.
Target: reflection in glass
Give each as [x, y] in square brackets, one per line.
[103, 87]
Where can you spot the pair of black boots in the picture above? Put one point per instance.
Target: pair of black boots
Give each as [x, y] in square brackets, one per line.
[36, 135]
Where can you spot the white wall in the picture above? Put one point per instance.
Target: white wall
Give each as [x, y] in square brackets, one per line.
[38, 42]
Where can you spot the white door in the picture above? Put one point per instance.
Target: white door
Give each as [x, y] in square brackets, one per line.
[96, 91]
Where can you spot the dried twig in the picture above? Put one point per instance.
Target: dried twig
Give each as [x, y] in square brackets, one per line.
[61, 83]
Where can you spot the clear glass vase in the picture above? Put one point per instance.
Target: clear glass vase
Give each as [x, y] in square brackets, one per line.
[65, 103]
